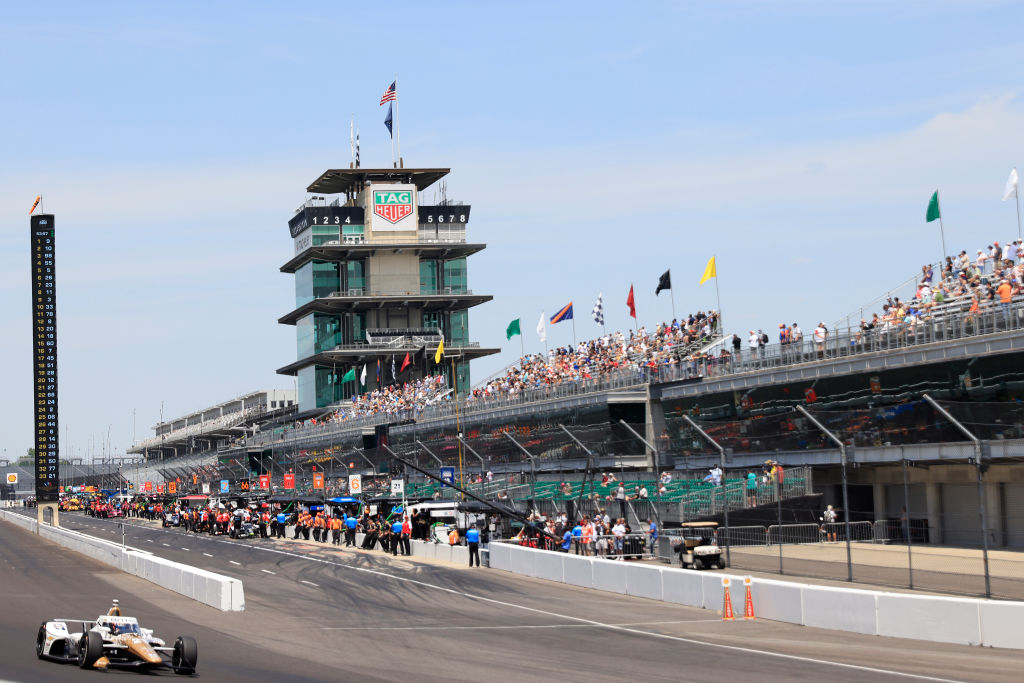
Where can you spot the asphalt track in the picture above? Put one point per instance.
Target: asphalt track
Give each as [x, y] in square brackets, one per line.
[319, 613]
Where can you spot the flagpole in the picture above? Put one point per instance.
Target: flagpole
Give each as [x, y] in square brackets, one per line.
[673, 295]
[398, 140]
[718, 298]
[942, 231]
[1016, 196]
[574, 332]
[522, 347]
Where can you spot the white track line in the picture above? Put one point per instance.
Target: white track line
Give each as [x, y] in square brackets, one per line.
[314, 585]
[208, 554]
[233, 562]
[267, 571]
[429, 627]
[612, 627]
[187, 550]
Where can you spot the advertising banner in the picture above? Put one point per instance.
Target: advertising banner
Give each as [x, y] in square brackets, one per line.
[172, 488]
[12, 478]
[355, 484]
[448, 474]
[148, 488]
[318, 480]
[223, 485]
[206, 488]
[159, 488]
[264, 481]
[393, 208]
[289, 481]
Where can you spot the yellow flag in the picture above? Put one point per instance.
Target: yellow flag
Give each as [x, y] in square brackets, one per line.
[709, 272]
[440, 352]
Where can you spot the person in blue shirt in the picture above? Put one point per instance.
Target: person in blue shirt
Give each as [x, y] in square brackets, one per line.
[350, 530]
[652, 533]
[577, 536]
[473, 541]
[396, 534]
[566, 540]
[282, 521]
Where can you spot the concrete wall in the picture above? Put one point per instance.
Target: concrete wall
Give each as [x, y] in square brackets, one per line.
[222, 592]
[966, 621]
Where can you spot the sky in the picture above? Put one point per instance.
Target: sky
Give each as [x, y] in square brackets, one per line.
[598, 143]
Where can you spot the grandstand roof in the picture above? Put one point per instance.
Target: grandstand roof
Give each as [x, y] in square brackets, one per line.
[338, 180]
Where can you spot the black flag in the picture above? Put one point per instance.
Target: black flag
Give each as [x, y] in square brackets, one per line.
[664, 282]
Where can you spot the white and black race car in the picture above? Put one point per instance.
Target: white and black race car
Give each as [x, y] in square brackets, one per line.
[113, 641]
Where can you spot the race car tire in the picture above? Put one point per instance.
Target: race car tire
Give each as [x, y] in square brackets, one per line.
[40, 641]
[186, 654]
[90, 648]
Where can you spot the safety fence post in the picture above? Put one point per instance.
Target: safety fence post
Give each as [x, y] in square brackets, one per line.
[725, 499]
[980, 468]
[846, 498]
[906, 519]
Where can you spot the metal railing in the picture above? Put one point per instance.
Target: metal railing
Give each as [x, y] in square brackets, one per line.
[949, 322]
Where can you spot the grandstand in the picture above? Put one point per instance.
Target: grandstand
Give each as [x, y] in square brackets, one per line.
[206, 429]
[538, 432]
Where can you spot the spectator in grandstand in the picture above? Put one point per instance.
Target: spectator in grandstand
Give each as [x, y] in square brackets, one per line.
[820, 336]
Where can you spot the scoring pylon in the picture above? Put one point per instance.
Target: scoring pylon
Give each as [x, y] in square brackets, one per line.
[727, 607]
[748, 607]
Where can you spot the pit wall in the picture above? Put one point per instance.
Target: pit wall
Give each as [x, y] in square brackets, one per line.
[966, 621]
[223, 592]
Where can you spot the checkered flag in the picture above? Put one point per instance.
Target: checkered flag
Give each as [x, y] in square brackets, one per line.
[598, 311]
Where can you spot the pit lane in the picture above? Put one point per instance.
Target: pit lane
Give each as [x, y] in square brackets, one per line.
[381, 617]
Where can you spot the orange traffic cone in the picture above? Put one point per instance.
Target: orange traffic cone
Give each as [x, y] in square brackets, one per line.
[748, 608]
[727, 607]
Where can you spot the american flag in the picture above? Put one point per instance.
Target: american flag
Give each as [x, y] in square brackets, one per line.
[598, 311]
[389, 95]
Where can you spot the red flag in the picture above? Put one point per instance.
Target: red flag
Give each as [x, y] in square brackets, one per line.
[631, 303]
[406, 363]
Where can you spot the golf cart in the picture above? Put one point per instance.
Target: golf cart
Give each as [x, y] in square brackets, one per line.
[699, 547]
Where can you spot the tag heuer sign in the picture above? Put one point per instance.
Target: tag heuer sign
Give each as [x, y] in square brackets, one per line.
[392, 205]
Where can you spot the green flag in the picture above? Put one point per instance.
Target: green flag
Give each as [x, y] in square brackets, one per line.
[512, 329]
[933, 208]
[350, 376]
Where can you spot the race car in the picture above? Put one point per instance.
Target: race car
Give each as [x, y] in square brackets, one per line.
[113, 641]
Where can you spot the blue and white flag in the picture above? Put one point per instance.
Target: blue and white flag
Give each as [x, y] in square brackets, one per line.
[598, 311]
[387, 122]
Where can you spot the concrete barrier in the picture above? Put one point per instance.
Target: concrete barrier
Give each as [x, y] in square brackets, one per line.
[576, 570]
[682, 588]
[223, 592]
[944, 620]
[842, 609]
[550, 566]
[609, 575]
[778, 600]
[644, 581]
[1000, 624]
[501, 556]
[969, 621]
[459, 555]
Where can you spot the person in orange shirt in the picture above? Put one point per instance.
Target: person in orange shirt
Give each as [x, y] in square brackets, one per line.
[336, 530]
[1005, 292]
[453, 537]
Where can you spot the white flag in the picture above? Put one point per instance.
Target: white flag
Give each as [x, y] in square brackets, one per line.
[362, 377]
[1011, 185]
[542, 331]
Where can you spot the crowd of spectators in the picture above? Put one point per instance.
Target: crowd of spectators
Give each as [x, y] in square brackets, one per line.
[666, 344]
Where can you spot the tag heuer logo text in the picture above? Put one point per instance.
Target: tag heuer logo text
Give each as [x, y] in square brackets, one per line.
[392, 205]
